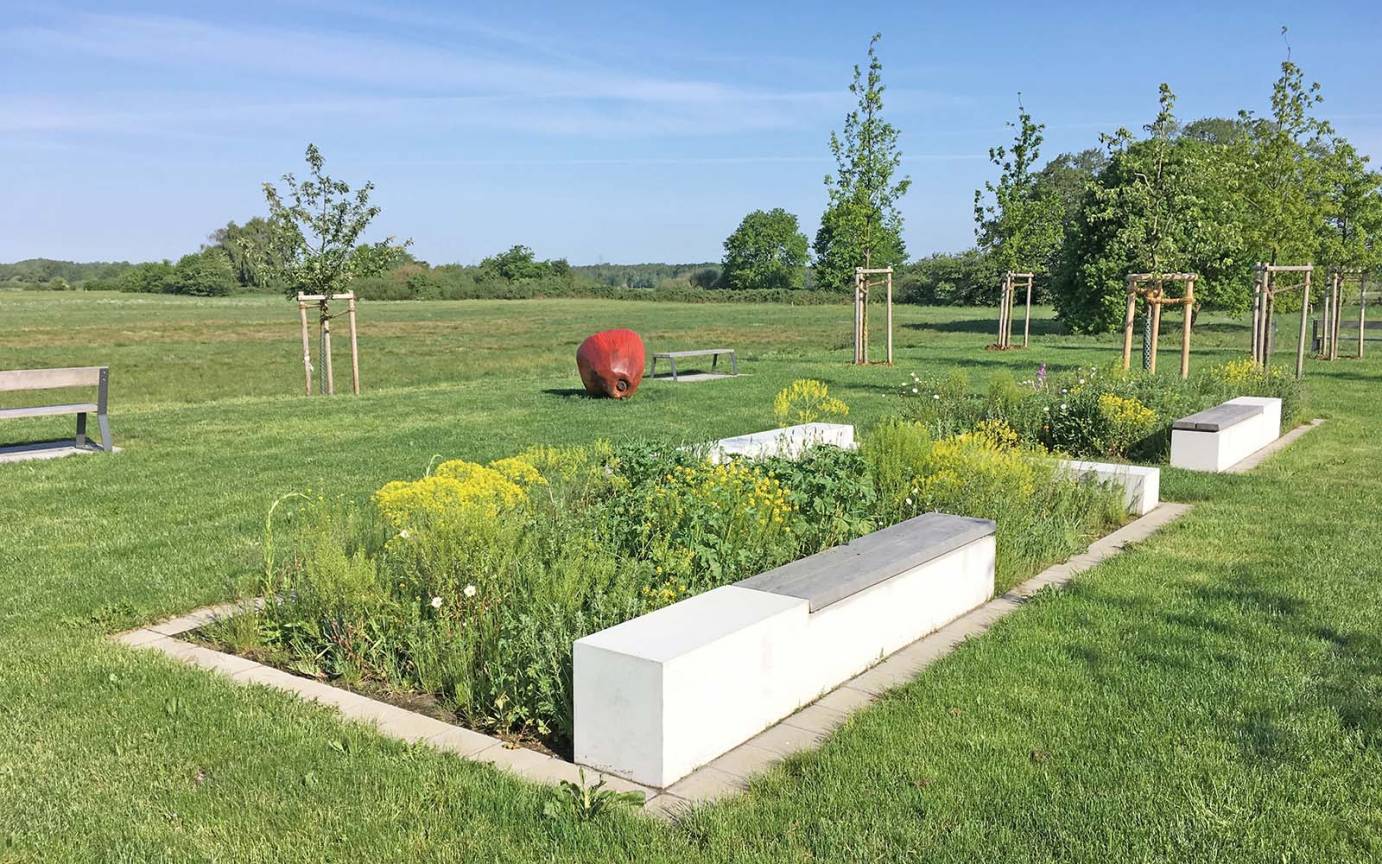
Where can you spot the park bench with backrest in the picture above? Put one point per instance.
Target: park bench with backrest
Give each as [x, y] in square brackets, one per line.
[24, 380]
[713, 353]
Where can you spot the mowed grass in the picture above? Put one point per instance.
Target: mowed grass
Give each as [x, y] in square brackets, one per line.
[1213, 694]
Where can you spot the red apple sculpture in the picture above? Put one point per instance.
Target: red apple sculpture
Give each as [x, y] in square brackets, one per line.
[611, 363]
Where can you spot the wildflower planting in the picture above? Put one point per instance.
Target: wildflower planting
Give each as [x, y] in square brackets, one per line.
[463, 590]
[1094, 412]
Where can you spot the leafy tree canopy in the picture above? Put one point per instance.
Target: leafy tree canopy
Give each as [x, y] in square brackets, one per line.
[862, 226]
[767, 250]
[1018, 221]
[313, 240]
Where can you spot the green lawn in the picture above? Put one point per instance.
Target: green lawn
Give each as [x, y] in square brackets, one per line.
[1214, 694]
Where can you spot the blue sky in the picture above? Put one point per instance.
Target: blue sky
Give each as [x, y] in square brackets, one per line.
[593, 131]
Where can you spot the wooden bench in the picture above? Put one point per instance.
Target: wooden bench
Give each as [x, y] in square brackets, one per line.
[20, 380]
[1349, 333]
[1220, 437]
[713, 353]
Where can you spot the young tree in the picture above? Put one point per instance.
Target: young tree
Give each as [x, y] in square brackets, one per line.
[1139, 216]
[767, 250]
[1021, 228]
[313, 246]
[861, 225]
[1282, 184]
[313, 240]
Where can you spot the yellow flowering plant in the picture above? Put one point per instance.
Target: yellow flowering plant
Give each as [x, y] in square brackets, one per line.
[807, 400]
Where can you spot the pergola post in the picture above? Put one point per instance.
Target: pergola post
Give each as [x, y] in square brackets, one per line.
[1362, 314]
[890, 316]
[1304, 314]
[1189, 309]
[1027, 322]
[306, 344]
[354, 349]
[1127, 324]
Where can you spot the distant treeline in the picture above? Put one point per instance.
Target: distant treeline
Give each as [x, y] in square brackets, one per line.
[942, 279]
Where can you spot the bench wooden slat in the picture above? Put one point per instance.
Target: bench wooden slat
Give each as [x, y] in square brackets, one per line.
[48, 410]
[701, 353]
[50, 379]
[1218, 418]
[843, 571]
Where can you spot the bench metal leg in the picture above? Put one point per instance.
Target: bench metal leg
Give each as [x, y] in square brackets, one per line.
[673, 361]
[104, 422]
[714, 358]
[733, 363]
[80, 440]
[653, 373]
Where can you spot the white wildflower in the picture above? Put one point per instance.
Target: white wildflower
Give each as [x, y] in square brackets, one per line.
[469, 591]
[436, 602]
[1062, 406]
[914, 390]
[404, 534]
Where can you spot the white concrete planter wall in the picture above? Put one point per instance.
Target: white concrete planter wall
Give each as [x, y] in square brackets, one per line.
[1216, 439]
[665, 693]
[789, 442]
[1141, 485]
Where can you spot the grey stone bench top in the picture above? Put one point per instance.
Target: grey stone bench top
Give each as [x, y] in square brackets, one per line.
[1219, 418]
[841, 571]
[696, 353]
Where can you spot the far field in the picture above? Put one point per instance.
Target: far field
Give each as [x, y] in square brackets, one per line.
[1213, 694]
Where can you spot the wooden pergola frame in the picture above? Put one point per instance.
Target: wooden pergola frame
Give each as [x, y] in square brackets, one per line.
[1151, 287]
[322, 301]
[1011, 282]
[1265, 289]
[862, 288]
[1333, 306]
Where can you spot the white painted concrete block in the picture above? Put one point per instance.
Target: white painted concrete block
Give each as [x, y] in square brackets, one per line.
[1141, 484]
[667, 692]
[1217, 451]
[789, 442]
[845, 638]
[663, 694]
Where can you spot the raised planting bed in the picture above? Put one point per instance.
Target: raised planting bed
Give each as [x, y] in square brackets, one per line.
[664, 693]
[463, 593]
[1141, 484]
[789, 442]
[1218, 438]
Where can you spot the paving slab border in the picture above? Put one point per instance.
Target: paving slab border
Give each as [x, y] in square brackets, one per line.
[805, 729]
[14, 454]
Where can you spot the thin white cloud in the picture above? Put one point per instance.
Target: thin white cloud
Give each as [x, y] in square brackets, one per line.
[199, 76]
